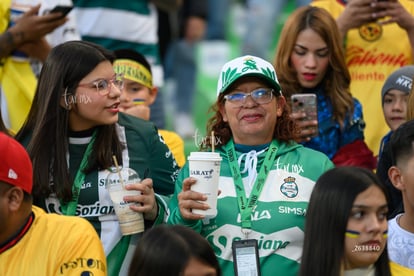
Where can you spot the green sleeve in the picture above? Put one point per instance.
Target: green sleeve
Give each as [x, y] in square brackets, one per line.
[148, 154]
[163, 170]
[162, 202]
[329, 164]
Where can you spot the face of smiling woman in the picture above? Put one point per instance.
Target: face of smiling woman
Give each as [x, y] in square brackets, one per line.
[252, 123]
[90, 108]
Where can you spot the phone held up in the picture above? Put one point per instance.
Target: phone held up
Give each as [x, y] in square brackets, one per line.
[64, 10]
[306, 103]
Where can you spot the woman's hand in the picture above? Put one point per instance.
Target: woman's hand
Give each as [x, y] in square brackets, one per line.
[308, 128]
[38, 49]
[188, 200]
[394, 12]
[147, 204]
[356, 14]
[32, 26]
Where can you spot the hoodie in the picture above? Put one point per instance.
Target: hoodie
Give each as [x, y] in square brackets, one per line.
[279, 216]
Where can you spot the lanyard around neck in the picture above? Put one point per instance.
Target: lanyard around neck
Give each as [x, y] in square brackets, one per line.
[69, 208]
[246, 206]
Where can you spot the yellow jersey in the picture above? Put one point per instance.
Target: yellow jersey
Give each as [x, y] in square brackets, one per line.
[52, 244]
[373, 52]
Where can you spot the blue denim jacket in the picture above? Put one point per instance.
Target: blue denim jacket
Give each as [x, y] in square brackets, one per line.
[331, 137]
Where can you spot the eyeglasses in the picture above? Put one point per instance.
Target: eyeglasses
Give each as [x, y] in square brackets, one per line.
[259, 96]
[103, 86]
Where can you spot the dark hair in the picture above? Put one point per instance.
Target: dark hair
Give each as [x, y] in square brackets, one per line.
[337, 78]
[402, 143]
[133, 55]
[285, 129]
[167, 249]
[47, 122]
[327, 217]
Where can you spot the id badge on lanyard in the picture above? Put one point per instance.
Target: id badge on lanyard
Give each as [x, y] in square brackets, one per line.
[246, 258]
[245, 252]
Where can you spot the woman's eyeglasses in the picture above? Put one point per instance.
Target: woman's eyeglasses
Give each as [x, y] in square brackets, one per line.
[259, 96]
[103, 86]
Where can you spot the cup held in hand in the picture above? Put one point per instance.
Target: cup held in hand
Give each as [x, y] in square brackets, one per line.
[205, 167]
[130, 221]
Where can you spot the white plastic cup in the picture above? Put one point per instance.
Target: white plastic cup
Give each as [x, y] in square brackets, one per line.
[205, 167]
[130, 222]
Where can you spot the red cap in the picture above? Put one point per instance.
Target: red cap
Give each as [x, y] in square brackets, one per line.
[15, 164]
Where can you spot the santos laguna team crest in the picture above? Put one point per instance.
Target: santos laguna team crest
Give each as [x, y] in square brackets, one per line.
[289, 187]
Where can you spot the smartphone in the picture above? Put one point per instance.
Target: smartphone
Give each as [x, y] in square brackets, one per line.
[306, 103]
[62, 9]
[246, 258]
